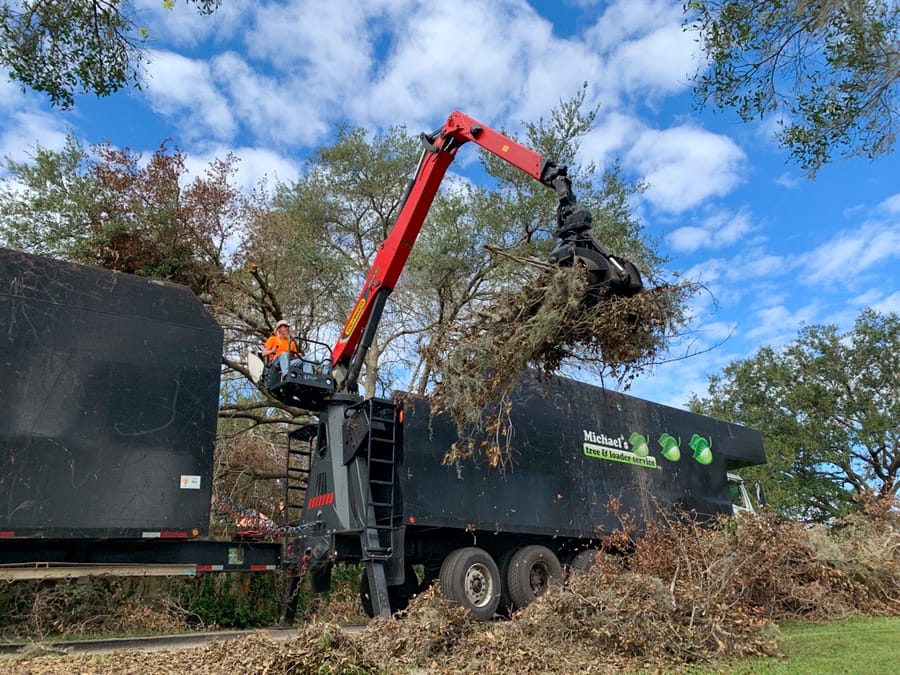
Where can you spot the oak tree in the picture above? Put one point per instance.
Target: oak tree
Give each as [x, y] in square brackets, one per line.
[828, 405]
[64, 47]
[828, 70]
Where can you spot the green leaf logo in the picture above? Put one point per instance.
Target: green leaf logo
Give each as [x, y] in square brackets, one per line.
[702, 449]
[639, 445]
[670, 449]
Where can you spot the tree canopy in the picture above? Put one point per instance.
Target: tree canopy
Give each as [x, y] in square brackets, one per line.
[829, 70]
[828, 405]
[301, 250]
[63, 47]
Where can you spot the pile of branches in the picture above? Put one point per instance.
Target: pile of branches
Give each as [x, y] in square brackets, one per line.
[42, 609]
[554, 317]
[684, 595]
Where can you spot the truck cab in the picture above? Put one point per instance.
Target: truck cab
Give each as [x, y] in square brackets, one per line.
[740, 496]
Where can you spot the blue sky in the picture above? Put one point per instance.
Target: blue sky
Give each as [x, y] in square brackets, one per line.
[270, 81]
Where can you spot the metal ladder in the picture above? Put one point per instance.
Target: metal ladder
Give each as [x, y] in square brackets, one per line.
[297, 466]
[381, 456]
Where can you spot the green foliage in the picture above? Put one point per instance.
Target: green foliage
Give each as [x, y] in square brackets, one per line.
[107, 207]
[828, 405]
[482, 238]
[48, 206]
[234, 601]
[314, 242]
[62, 47]
[830, 70]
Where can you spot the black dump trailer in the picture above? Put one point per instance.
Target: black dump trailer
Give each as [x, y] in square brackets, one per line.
[109, 391]
[578, 459]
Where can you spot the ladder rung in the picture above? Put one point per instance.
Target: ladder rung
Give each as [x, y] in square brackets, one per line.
[381, 504]
[381, 482]
[296, 487]
[297, 469]
[381, 461]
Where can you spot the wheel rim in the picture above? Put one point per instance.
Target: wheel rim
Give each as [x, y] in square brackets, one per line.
[539, 578]
[478, 585]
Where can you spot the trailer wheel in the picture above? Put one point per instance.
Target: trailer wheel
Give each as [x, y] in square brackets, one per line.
[470, 577]
[506, 606]
[532, 570]
[398, 596]
[584, 560]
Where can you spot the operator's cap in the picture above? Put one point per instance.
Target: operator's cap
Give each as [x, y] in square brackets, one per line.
[282, 323]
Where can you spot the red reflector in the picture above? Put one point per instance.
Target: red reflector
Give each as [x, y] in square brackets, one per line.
[412, 520]
[7, 535]
[259, 568]
[204, 568]
[173, 534]
[321, 500]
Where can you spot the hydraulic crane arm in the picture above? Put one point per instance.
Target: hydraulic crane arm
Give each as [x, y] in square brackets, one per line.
[440, 149]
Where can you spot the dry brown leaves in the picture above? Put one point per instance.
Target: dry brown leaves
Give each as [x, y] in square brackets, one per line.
[90, 606]
[317, 648]
[551, 319]
[685, 594]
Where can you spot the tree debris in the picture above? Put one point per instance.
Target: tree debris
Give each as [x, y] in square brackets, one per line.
[553, 319]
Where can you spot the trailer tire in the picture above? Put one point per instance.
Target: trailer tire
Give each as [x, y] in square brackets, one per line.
[506, 605]
[469, 576]
[398, 596]
[584, 560]
[532, 570]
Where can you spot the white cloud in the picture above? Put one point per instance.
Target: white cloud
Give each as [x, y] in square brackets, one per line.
[255, 165]
[614, 132]
[441, 62]
[270, 109]
[329, 41]
[685, 166]
[185, 27]
[660, 62]
[788, 180]
[24, 125]
[626, 20]
[716, 231]
[890, 304]
[182, 88]
[842, 259]
[876, 299]
[777, 325]
[891, 205]
[544, 83]
[688, 239]
[25, 129]
[11, 95]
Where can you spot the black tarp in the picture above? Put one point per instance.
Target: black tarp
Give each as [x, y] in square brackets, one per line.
[108, 398]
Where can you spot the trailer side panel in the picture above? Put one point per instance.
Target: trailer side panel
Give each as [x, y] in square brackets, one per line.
[109, 393]
[573, 448]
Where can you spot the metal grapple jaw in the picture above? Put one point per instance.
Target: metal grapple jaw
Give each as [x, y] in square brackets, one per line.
[607, 274]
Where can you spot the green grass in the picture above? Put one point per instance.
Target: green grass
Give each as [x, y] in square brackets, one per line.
[855, 646]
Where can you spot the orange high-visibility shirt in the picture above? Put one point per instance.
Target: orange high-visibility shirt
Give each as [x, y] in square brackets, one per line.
[281, 345]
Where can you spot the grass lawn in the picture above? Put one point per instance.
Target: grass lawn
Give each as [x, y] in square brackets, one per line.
[853, 646]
